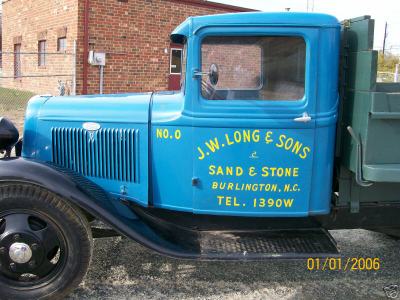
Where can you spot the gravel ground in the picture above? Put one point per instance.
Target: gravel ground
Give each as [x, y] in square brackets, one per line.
[122, 269]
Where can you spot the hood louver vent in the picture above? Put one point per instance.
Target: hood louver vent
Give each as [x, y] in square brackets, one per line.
[105, 153]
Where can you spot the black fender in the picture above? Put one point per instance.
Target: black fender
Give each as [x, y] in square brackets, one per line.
[89, 197]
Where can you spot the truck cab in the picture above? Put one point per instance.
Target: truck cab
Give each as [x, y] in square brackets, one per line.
[255, 119]
[278, 133]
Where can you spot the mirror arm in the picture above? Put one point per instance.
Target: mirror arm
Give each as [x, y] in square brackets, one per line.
[212, 74]
[197, 73]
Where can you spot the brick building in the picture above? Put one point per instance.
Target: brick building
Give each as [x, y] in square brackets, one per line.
[39, 38]
[1, 40]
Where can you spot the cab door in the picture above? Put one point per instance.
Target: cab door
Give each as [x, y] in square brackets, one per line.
[254, 130]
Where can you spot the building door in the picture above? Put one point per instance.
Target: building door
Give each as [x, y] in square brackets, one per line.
[175, 68]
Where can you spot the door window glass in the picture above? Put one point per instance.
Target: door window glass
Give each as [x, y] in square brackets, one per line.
[254, 68]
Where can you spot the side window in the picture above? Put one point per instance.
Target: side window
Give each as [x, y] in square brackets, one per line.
[17, 61]
[176, 61]
[254, 68]
[42, 53]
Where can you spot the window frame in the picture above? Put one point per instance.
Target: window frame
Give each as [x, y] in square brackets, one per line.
[262, 70]
[198, 107]
[64, 38]
[1, 54]
[17, 61]
[42, 54]
[184, 69]
[170, 60]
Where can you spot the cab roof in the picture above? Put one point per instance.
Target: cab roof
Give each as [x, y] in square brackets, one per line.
[193, 24]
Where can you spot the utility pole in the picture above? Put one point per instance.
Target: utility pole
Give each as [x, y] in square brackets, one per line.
[384, 40]
[310, 6]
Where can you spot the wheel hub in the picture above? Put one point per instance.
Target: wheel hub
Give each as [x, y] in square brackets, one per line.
[28, 246]
[20, 253]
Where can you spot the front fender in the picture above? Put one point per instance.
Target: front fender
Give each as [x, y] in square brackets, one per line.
[64, 183]
[90, 197]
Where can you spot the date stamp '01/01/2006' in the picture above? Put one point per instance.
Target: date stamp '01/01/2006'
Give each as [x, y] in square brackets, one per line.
[392, 291]
[344, 264]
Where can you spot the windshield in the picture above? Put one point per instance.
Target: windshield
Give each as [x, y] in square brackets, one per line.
[183, 72]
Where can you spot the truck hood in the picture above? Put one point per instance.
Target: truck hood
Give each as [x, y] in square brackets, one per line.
[104, 138]
[115, 112]
[120, 108]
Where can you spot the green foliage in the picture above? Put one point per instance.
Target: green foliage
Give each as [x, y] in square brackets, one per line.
[387, 63]
[12, 99]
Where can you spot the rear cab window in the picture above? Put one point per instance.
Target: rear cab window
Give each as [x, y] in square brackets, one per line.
[270, 68]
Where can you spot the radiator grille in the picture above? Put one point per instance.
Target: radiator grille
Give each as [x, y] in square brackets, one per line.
[105, 153]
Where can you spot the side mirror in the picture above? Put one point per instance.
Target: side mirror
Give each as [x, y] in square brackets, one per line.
[213, 74]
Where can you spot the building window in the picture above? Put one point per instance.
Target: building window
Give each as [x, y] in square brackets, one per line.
[62, 44]
[42, 53]
[1, 53]
[17, 60]
[176, 61]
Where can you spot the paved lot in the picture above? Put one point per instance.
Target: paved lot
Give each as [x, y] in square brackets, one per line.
[122, 269]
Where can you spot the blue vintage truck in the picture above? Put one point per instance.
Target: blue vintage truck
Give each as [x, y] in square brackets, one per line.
[278, 134]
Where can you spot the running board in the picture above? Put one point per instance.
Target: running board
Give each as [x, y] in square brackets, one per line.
[241, 244]
[257, 245]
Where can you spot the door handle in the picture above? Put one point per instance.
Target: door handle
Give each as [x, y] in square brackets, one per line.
[304, 118]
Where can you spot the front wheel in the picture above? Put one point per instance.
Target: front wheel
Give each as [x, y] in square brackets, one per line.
[45, 244]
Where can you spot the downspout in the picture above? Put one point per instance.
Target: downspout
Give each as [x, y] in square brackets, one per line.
[85, 47]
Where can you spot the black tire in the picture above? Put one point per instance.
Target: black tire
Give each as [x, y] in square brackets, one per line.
[72, 232]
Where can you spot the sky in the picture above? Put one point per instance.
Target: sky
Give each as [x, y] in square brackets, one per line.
[382, 11]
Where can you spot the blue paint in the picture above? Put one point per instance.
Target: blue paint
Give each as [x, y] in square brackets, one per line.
[116, 114]
[174, 127]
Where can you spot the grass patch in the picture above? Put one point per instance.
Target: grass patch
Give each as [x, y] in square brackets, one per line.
[12, 99]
